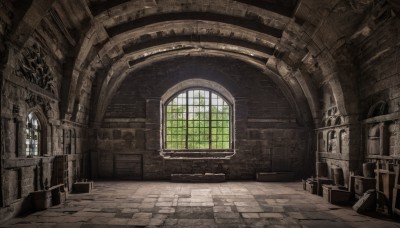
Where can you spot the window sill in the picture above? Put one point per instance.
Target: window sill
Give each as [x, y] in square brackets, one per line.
[197, 154]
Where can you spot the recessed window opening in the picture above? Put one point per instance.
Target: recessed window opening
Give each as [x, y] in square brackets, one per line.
[33, 135]
[197, 119]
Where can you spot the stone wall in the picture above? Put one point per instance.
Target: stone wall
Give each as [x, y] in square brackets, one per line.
[379, 58]
[378, 54]
[31, 82]
[267, 136]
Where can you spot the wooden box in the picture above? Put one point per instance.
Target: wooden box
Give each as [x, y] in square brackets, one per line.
[41, 199]
[363, 184]
[311, 186]
[336, 195]
[322, 181]
[83, 187]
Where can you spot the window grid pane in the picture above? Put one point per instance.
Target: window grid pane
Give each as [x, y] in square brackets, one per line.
[33, 136]
[197, 119]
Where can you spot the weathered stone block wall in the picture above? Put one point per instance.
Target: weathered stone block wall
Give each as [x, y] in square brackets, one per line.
[379, 59]
[378, 55]
[268, 137]
[31, 82]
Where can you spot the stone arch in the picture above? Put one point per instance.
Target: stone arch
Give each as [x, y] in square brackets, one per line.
[297, 102]
[197, 82]
[377, 109]
[339, 120]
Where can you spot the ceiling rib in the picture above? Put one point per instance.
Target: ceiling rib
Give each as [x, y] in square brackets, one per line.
[200, 16]
[195, 38]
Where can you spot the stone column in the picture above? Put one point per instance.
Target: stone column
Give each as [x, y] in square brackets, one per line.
[384, 139]
[240, 123]
[153, 124]
[20, 145]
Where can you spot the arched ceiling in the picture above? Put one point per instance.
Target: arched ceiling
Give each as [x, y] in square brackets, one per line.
[128, 33]
[301, 41]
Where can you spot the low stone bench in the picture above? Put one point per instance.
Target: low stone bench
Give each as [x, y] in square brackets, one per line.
[198, 177]
[83, 187]
[44, 199]
[274, 176]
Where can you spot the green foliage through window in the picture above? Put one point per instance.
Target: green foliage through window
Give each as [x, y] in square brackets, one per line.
[197, 119]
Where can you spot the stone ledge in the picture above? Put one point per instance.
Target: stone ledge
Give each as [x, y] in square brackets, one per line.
[196, 155]
[274, 176]
[198, 177]
[26, 161]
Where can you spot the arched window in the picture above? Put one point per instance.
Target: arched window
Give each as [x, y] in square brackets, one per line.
[33, 135]
[197, 119]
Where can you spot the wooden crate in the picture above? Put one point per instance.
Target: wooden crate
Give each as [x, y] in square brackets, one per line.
[363, 184]
[322, 181]
[396, 192]
[311, 186]
[41, 199]
[336, 195]
[83, 187]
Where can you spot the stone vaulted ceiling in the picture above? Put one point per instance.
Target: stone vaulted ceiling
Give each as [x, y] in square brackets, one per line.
[302, 45]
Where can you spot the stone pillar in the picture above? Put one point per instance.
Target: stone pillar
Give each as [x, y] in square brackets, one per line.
[153, 124]
[384, 140]
[20, 145]
[240, 123]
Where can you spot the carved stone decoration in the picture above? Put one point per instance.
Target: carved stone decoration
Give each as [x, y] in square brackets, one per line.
[34, 69]
[36, 100]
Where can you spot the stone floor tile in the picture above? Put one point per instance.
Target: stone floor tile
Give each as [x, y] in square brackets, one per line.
[147, 205]
[254, 222]
[236, 221]
[142, 216]
[196, 223]
[166, 199]
[324, 223]
[130, 210]
[222, 209]
[250, 215]
[139, 222]
[229, 204]
[171, 222]
[68, 225]
[249, 209]
[164, 204]
[226, 215]
[118, 221]
[156, 222]
[72, 219]
[166, 210]
[111, 210]
[271, 215]
[99, 220]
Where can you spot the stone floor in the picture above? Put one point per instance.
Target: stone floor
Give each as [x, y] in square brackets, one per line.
[230, 204]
